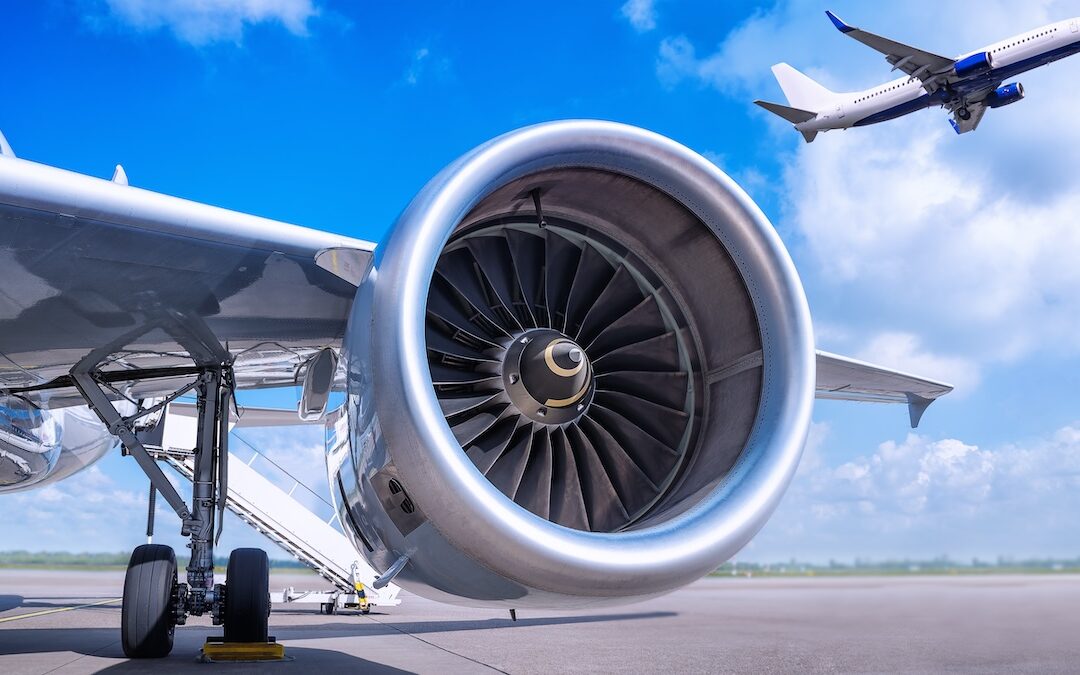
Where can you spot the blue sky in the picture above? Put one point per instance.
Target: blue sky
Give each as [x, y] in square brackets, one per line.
[949, 256]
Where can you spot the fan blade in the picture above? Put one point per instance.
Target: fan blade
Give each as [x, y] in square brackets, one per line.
[459, 404]
[444, 346]
[567, 501]
[443, 304]
[669, 389]
[527, 257]
[636, 490]
[459, 269]
[473, 427]
[662, 423]
[534, 493]
[592, 276]
[642, 322]
[605, 508]
[659, 353]
[619, 296]
[561, 259]
[487, 449]
[493, 258]
[445, 376]
[508, 469]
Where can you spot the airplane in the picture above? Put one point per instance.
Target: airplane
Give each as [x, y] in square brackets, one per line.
[579, 370]
[966, 86]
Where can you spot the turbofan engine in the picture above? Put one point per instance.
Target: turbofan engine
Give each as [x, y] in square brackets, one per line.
[580, 371]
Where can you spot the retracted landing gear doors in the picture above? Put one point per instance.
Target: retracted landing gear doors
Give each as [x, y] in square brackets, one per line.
[155, 601]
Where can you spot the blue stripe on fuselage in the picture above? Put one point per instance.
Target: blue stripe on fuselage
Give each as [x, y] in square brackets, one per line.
[972, 84]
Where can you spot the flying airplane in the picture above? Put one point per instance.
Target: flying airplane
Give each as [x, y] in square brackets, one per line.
[579, 370]
[966, 86]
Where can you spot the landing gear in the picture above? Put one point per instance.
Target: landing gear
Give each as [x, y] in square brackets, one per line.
[154, 600]
[247, 596]
[148, 618]
[963, 113]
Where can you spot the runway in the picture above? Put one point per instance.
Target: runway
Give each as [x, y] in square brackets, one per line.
[854, 624]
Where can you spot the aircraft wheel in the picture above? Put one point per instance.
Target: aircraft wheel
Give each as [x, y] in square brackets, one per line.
[247, 596]
[147, 618]
[964, 114]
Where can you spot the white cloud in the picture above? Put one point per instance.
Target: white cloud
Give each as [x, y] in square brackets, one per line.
[200, 22]
[921, 498]
[424, 64]
[905, 223]
[641, 14]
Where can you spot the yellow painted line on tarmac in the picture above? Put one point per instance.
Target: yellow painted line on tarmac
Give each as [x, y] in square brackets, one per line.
[59, 609]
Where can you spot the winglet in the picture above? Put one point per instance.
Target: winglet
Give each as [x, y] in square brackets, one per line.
[5, 149]
[840, 25]
[917, 405]
[119, 176]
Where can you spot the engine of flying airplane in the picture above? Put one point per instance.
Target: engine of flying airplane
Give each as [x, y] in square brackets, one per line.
[581, 370]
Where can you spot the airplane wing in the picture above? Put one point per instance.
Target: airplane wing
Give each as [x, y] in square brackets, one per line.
[95, 270]
[847, 379]
[928, 67]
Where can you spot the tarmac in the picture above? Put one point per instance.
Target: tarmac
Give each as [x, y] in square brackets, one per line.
[68, 622]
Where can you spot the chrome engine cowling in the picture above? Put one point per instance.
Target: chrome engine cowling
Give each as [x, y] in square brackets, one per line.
[39, 445]
[581, 371]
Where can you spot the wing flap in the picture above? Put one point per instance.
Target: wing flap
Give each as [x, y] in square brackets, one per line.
[847, 379]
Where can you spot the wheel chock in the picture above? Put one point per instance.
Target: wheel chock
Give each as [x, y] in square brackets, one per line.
[216, 649]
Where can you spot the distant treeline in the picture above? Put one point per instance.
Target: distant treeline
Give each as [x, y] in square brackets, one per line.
[62, 559]
[940, 565]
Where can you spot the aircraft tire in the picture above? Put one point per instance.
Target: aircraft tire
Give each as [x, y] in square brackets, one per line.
[147, 618]
[964, 114]
[247, 596]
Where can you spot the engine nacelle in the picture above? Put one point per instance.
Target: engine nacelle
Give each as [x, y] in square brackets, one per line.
[40, 445]
[581, 371]
[976, 64]
[1005, 95]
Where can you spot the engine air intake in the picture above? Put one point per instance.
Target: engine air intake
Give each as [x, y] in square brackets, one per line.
[562, 370]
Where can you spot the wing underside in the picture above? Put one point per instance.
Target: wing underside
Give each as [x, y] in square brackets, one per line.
[133, 280]
[846, 379]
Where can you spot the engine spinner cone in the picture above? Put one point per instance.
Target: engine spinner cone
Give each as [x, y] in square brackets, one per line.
[548, 376]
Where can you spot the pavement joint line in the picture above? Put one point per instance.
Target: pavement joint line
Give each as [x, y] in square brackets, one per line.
[440, 647]
[31, 615]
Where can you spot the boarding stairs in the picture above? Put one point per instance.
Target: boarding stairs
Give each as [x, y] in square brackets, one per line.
[275, 512]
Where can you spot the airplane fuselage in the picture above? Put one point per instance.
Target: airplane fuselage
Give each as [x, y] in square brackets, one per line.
[905, 95]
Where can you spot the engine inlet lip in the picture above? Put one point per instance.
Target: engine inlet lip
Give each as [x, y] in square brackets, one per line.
[470, 510]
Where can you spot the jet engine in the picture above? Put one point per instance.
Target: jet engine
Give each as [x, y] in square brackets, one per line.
[1005, 95]
[581, 371]
[976, 64]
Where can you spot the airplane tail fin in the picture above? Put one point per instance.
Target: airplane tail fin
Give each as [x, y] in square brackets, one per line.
[801, 91]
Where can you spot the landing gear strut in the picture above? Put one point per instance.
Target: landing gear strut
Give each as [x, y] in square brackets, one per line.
[155, 601]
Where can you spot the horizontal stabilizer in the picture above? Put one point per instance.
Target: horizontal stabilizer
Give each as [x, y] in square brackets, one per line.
[793, 115]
